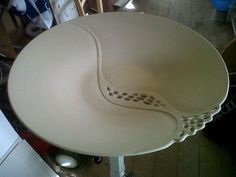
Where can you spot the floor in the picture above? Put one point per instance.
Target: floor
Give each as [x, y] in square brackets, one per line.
[196, 14]
[196, 157]
[199, 155]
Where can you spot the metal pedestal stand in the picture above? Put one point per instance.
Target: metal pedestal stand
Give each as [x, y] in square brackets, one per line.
[117, 167]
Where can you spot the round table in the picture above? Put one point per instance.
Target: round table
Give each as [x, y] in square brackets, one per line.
[117, 84]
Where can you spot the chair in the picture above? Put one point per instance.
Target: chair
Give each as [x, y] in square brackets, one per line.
[80, 6]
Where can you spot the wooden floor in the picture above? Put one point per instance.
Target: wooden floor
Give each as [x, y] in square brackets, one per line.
[196, 14]
[197, 156]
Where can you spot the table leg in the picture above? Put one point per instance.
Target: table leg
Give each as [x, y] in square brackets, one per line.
[117, 167]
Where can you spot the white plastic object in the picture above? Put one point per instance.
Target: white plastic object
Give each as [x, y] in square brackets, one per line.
[66, 161]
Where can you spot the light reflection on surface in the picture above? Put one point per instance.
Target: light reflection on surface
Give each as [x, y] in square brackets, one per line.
[66, 161]
[66, 164]
[130, 5]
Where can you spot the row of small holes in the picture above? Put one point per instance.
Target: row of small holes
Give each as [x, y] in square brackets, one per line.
[204, 116]
[190, 123]
[135, 97]
[182, 133]
[193, 123]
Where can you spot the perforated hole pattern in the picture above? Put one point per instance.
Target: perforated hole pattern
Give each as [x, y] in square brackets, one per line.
[190, 124]
[135, 97]
[194, 123]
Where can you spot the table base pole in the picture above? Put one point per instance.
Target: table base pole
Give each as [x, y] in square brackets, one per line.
[117, 167]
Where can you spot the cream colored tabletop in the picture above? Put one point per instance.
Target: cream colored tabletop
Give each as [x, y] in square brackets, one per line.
[117, 84]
